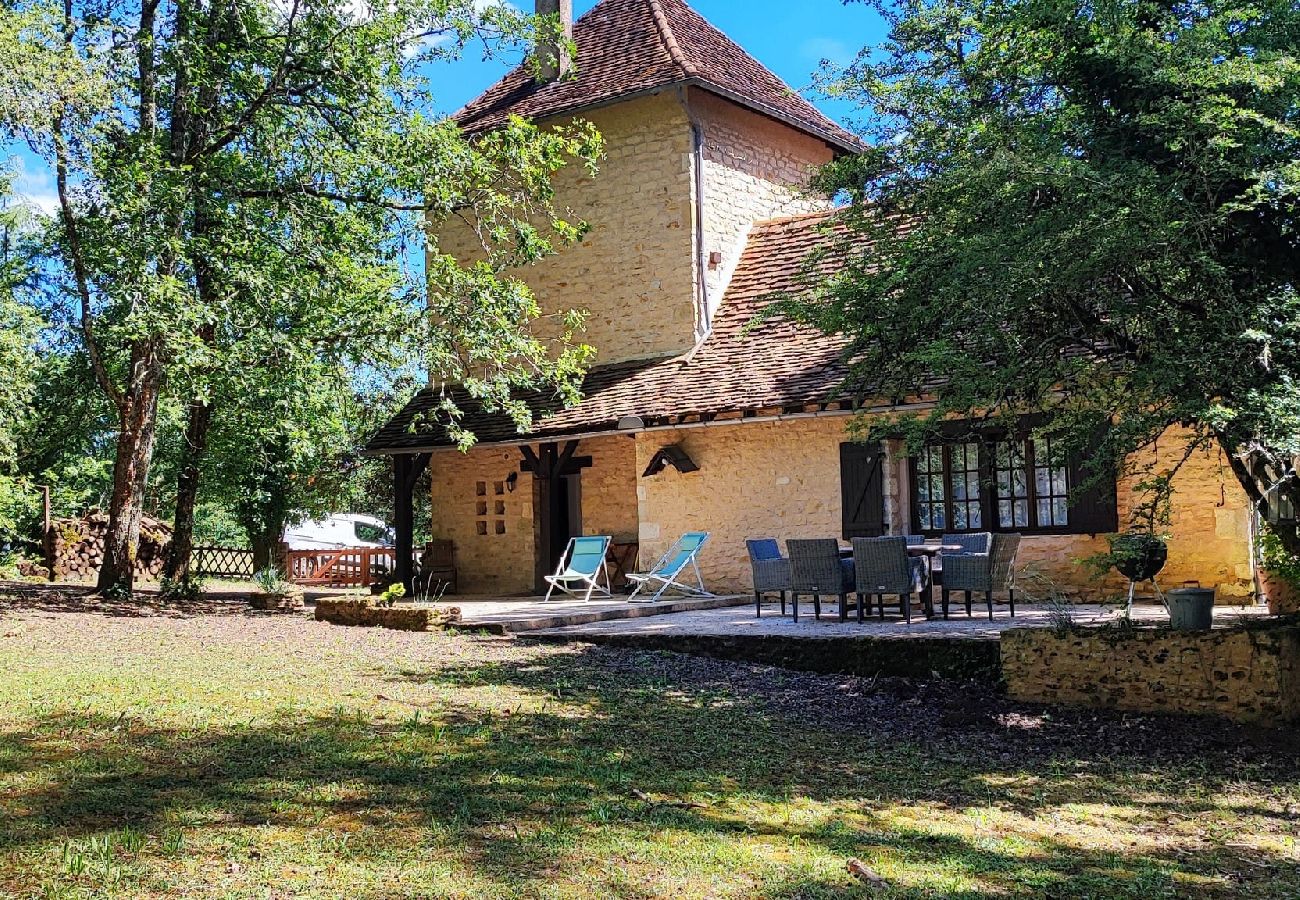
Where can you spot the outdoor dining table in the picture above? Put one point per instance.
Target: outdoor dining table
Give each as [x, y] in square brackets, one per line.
[928, 552]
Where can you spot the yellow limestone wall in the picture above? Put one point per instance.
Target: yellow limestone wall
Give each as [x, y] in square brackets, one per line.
[1208, 534]
[781, 480]
[1247, 675]
[777, 479]
[634, 271]
[495, 552]
[754, 168]
[499, 561]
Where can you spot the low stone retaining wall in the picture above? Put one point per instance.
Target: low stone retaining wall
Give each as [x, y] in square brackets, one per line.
[964, 658]
[1249, 674]
[347, 611]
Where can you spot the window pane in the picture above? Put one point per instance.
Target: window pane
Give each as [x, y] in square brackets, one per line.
[1005, 519]
[1022, 513]
[959, 517]
[925, 517]
[1060, 511]
[975, 516]
[959, 489]
[1044, 512]
[938, 520]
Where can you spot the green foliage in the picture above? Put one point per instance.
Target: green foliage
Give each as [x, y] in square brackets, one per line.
[270, 580]
[243, 187]
[1084, 210]
[1275, 558]
[391, 594]
[181, 590]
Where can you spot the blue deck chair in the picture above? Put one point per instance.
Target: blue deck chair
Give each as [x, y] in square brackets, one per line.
[582, 568]
[667, 572]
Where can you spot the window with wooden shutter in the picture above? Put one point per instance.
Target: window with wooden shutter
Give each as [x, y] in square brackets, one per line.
[862, 489]
[1024, 485]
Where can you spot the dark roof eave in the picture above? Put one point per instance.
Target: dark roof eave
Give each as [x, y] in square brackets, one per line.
[842, 145]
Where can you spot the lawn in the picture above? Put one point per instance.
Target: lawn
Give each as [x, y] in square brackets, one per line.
[205, 751]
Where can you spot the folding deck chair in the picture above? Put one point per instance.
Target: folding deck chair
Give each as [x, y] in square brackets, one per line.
[582, 568]
[667, 571]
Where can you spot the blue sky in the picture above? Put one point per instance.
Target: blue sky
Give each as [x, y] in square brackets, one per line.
[790, 38]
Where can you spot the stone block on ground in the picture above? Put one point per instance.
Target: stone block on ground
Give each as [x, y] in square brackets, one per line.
[361, 612]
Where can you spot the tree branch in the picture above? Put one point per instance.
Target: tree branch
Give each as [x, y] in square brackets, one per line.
[324, 194]
[75, 254]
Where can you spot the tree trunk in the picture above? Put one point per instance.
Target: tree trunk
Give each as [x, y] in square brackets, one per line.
[135, 446]
[266, 545]
[198, 421]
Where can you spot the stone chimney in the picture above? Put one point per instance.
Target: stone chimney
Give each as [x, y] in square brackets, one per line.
[552, 59]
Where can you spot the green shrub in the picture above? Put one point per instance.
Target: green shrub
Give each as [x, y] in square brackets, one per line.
[270, 581]
[181, 589]
[391, 594]
[1276, 559]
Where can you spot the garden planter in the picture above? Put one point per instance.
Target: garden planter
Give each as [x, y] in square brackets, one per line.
[277, 601]
[350, 611]
[1191, 609]
[1283, 597]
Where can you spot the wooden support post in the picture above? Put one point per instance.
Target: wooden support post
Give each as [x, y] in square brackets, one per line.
[407, 469]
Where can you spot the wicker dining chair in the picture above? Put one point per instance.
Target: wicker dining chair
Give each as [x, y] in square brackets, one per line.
[771, 571]
[915, 540]
[987, 572]
[969, 541]
[816, 568]
[881, 567]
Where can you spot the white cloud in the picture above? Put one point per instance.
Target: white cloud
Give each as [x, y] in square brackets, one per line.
[32, 186]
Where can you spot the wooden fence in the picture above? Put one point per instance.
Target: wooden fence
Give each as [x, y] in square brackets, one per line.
[340, 568]
[222, 562]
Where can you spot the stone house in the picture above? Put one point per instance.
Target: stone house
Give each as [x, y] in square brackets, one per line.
[691, 421]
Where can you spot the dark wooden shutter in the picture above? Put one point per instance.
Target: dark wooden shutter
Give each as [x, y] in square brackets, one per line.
[1094, 510]
[862, 489]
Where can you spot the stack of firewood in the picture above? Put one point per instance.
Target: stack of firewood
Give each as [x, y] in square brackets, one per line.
[79, 546]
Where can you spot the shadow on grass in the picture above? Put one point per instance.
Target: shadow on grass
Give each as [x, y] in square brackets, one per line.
[629, 755]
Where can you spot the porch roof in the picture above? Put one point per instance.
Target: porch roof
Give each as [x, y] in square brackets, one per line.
[733, 373]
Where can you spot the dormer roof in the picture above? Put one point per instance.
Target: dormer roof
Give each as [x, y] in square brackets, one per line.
[627, 48]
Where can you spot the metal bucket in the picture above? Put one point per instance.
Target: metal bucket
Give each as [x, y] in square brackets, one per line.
[1191, 608]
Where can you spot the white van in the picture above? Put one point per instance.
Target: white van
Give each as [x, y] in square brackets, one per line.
[338, 531]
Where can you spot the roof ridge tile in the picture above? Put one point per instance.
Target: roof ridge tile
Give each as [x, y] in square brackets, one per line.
[670, 40]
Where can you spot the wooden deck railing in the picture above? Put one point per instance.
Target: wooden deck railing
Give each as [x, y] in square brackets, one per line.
[339, 568]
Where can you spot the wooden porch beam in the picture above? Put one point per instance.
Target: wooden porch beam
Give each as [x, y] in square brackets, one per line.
[407, 469]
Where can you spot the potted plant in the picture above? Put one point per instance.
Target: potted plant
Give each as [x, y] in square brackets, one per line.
[1279, 574]
[274, 592]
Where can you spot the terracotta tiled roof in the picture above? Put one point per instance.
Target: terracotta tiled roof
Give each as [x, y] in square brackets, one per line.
[629, 47]
[772, 365]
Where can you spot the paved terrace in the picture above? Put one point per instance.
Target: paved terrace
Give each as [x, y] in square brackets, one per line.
[737, 620]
